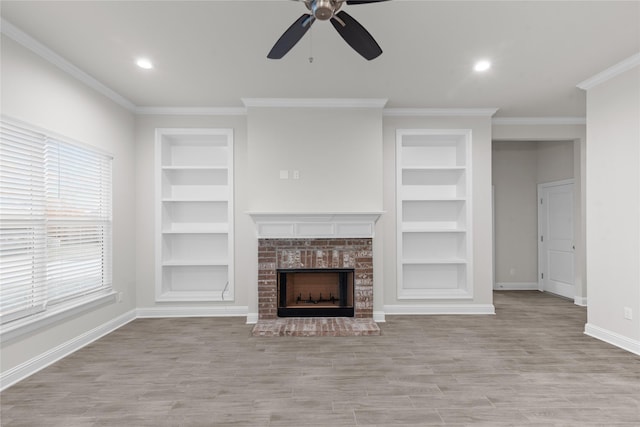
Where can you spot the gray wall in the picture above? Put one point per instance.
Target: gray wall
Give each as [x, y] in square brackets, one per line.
[518, 167]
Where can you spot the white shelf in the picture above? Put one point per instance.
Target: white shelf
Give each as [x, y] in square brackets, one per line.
[427, 227]
[195, 168]
[196, 228]
[194, 193]
[434, 168]
[428, 261]
[195, 199]
[433, 210]
[191, 262]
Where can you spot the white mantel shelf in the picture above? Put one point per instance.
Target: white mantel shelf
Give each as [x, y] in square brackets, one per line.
[314, 225]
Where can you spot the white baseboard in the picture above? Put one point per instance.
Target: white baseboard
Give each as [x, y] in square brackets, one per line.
[218, 311]
[30, 367]
[613, 338]
[581, 301]
[378, 316]
[516, 286]
[439, 309]
[252, 318]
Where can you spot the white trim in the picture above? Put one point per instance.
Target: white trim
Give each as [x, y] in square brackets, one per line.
[44, 52]
[612, 338]
[556, 183]
[439, 112]
[516, 286]
[271, 225]
[315, 102]
[18, 328]
[391, 310]
[538, 121]
[581, 301]
[30, 367]
[611, 72]
[252, 318]
[219, 311]
[191, 111]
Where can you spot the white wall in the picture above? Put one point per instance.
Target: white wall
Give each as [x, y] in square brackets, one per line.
[613, 209]
[481, 224]
[38, 93]
[518, 166]
[337, 151]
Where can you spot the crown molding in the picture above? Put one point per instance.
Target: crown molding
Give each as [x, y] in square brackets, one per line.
[315, 102]
[191, 111]
[439, 112]
[611, 72]
[539, 121]
[19, 36]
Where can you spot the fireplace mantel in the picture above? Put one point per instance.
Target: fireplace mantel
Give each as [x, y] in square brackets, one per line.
[287, 225]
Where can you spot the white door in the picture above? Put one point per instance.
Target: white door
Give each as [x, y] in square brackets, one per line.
[555, 243]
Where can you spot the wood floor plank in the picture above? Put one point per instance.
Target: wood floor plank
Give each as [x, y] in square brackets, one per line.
[529, 365]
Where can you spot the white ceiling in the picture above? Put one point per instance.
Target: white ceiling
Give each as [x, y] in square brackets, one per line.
[213, 53]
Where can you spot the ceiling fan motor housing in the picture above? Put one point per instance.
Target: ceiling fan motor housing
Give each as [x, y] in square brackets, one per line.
[323, 9]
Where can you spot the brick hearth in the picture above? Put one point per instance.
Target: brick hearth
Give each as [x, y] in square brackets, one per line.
[274, 254]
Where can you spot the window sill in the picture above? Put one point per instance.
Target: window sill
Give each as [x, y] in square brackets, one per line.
[13, 330]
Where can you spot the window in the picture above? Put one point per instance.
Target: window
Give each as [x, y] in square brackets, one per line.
[55, 222]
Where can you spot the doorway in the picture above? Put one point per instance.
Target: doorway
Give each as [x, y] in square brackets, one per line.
[518, 168]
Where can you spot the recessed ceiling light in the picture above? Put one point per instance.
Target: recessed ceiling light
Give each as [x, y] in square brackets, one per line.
[483, 65]
[144, 63]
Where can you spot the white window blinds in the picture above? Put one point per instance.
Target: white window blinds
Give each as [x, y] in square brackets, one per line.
[55, 221]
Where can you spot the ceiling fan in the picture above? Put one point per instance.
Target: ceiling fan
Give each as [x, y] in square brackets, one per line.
[351, 30]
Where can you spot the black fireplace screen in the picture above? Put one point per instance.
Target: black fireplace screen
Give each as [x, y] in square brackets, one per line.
[315, 293]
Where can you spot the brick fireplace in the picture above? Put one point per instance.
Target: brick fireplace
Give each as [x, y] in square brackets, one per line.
[306, 242]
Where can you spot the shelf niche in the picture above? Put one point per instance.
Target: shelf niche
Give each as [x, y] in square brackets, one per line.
[194, 215]
[434, 212]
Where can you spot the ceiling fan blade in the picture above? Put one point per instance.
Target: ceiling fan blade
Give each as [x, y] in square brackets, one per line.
[351, 2]
[292, 36]
[356, 35]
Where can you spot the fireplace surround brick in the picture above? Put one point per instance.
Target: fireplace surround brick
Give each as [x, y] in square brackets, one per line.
[352, 253]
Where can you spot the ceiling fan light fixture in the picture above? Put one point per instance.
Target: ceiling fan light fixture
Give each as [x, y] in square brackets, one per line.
[349, 29]
[323, 9]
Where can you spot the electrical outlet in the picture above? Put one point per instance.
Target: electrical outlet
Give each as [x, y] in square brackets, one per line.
[296, 174]
[628, 313]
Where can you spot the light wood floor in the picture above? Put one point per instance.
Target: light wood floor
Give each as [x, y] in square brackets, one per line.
[530, 364]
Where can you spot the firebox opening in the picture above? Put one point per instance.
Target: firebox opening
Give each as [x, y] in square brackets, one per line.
[315, 293]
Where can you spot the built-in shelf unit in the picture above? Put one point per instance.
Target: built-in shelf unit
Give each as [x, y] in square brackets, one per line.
[194, 214]
[434, 213]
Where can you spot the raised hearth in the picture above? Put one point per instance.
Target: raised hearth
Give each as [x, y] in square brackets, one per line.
[316, 327]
